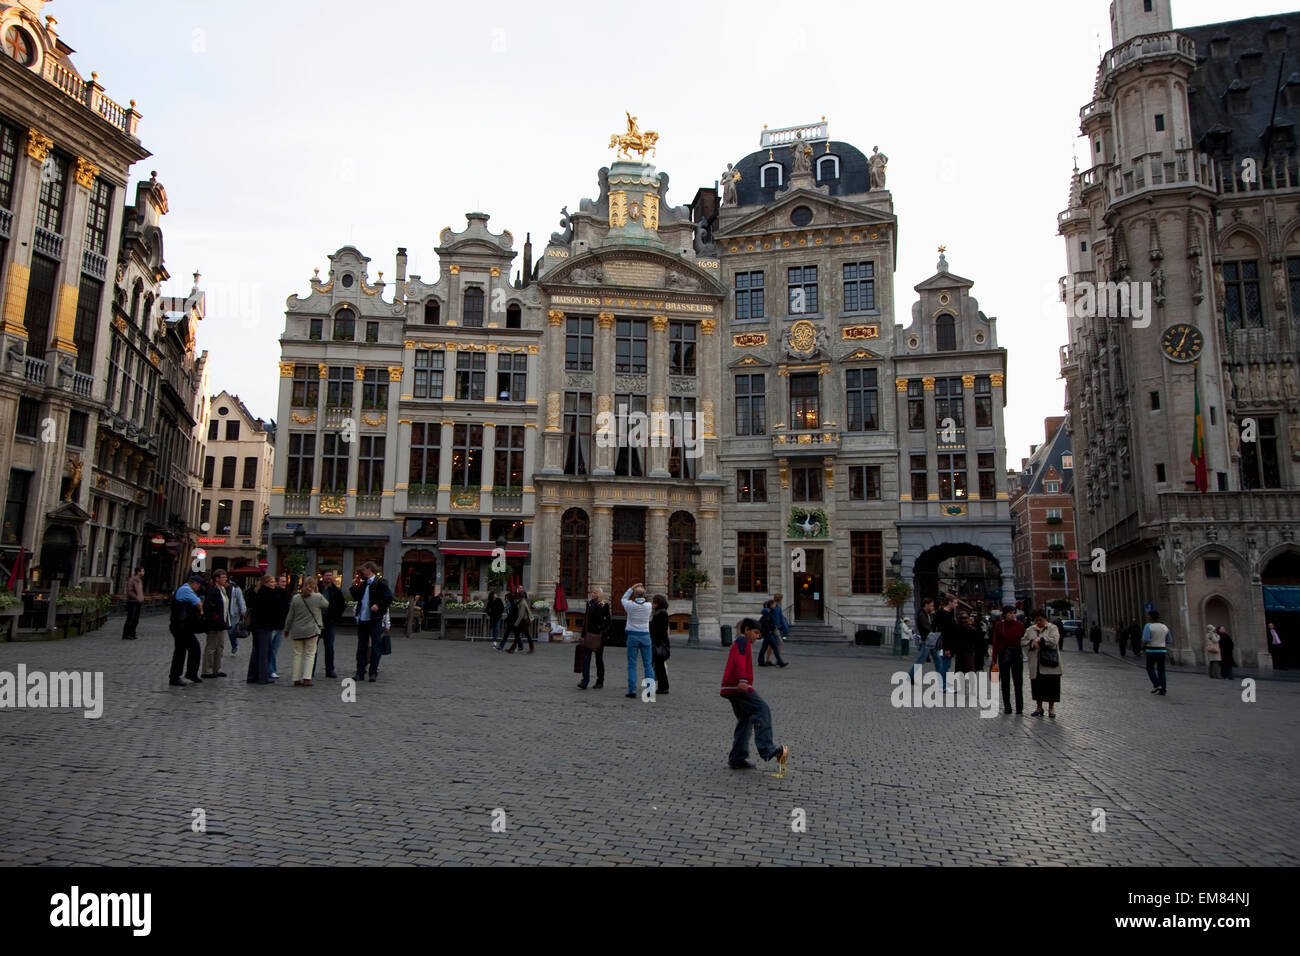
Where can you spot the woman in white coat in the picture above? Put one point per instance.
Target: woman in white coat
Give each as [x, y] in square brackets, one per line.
[1044, 675]
[1212, 652]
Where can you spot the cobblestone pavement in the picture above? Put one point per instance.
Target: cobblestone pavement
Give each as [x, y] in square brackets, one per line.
[411, 772]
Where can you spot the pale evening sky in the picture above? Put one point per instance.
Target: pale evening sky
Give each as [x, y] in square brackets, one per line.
[284, 131]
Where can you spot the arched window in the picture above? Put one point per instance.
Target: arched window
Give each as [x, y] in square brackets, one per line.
[473, 311]
[147, 315]
[945, 333]
[770, 177]
[137, 291]
[681, 536]
[574, 535]
[514, 316]
[432, 312]
[345, 325]
[828, 167]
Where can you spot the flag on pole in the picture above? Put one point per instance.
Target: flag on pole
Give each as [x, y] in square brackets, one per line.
[1198, 438]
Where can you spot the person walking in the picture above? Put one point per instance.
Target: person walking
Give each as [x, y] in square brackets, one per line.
[660, 649]
[1042, 643]
[1094, 634]
[520, 622]
[494, 607]
[751, 710]
[945, 622]
[1226, 648]
[373, 596]
[216, 618]
[337, 606]
[1007, 652]
[927, 637]
[1274, 643]
[974, 644]
[595, 632]
[185, 626]
[1157, 640]
[780, 624]
[1135, 637]
[1121, 638]
[280, 589]
[263, 616]
[238, 613]
[306, 621]
[638, 611]
[1213, 653]
[767, 625]
[134, 601]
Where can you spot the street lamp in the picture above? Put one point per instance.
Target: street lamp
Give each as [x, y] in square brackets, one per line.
[693, 631]
[896, 568]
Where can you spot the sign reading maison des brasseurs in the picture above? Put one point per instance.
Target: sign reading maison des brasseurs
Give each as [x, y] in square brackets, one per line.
[633, 303]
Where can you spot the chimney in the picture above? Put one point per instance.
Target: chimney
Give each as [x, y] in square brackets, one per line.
[528, 257]
[400, 294]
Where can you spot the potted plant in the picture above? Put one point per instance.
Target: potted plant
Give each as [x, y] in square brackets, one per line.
[295, 562]
[689, 579]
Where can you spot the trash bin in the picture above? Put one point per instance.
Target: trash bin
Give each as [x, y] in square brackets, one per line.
[726, 635]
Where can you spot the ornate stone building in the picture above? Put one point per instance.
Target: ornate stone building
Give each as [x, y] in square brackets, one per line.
[1042, 510]
[65, 153]
[237, 473]
[1191, 194]
[809, 452]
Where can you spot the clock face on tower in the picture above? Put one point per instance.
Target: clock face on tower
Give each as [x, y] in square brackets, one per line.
[1182, 342]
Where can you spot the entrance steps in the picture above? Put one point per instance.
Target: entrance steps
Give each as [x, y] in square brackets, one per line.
[817, 632]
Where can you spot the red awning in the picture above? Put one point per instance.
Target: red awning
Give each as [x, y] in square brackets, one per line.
[482, 551]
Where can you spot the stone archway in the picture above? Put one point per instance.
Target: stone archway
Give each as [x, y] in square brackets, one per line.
[967, 570]
[1280, 581]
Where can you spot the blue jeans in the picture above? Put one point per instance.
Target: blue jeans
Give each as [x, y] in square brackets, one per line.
[368, 645]
[275, 649]
[1156, 668]
[928, 653]
[774, 642]
[942, 662]
[638, 640]
[496, 631]
[751, 711]
[234, 641]
[327, 640]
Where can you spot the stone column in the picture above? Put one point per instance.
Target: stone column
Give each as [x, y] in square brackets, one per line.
[656, 550]
[27, 179]
[490, 374]
[449, 374]
[530, 466]
[710, 399]
[546, 551]
[600, 550]
[603, 359]
[708, 532]
[401, 480]
[455, 315]
[77, 203]
[969, 438]
[444, 467]
[553, 437]
[488, 470]
[904, 439]
[997, 395]
[660, 433]
[931, 442]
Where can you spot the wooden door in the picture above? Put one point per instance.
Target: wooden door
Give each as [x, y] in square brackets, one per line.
[626, 569]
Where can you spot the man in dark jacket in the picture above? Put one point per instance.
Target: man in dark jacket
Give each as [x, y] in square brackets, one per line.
[373, 596]
[331, 618]
[216, 621]
[186, 624]
[945, 622]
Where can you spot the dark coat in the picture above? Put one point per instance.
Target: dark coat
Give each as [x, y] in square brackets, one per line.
[496, 609]
[1225, 649]
[659, 635]
[214, 610]
[597, 619]
[380, 594]
[338, 606]
[945, 622]
[265, 609]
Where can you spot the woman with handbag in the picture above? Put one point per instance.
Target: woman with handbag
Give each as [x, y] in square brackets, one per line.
[659, 647]
[595, 629]
[303, 625]
[1042, 643]
[521, 622]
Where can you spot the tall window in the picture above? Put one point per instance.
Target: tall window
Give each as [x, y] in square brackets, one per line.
[1056, 539]
[15, 507]
[8, 164]
[508, 468]
[1241, 306]
[802, 287]
[915, 405]
[339, 386]
[97, 217]
[302, 459]
[228, 466]
[467, 456]
[432, 312]
[577, 433]
[205, 514]
[630, 343]
[920, 478]
[945, 333]
[426, 449]
[751, 405]
[867, 556]
[805, 394]
[209, 469]
[1259, 460]
[859, 286]
[806, 484]
[751, 562]
[864, 482]
[245, 517]
[370, 464]
[224, 509]
[514, 316]
[749, 296]
[334, 463]
[345, 325]
[751, 485]
[316, 329]
[372, 331]
[862, 399]
[250, 473]
[631, 458]
[54, 182]
[574, 535]
[83, 334]
[952, 477]
[429, 366]
[983, 402]
[578, 343]
[40, 303]
[948, 402]
[684, 448]
[374, 389]
[232, 426]
[681, 347]
[988, 477]
[473, 312]
[681, 537]
[305, 392]
[1293, 279]
[471, 375]
[512, 377]
[29, 417]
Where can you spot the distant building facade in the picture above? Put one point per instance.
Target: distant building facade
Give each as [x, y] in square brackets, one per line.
[1042, 512]
[237, 474]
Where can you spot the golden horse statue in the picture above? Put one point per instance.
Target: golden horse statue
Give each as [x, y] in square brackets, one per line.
[634, 141]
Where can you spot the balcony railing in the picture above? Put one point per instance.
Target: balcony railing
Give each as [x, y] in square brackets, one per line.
[90, 94]
[335, 415]
[369, 506]
[1150, 46]
[1236, 176]
[806, 441]
[812, 133]
[503, 501]
[35, 370]
[6, 222]
[1229, 507]
[48, 244]
[93, 264]
[1094, 109]
[297, 504]
[422, 500]
[1175, 169]
[82, 384]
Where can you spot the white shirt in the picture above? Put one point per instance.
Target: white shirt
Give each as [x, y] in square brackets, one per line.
[638, 613]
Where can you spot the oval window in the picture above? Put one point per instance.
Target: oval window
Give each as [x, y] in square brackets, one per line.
[223, 410]
[801, 216]
[347, 280]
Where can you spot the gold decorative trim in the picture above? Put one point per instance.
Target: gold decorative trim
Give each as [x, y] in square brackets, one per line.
[748, 340]
[532, 350]
[900, 384]
[928, 383]
[605, 320]
[286, 370]
[408, 344]
[303, 419]
[394, 373]
[376, 420]
[322, 370]
[968, 381]
[333, 505]
[119, 323]
[555, 316]
[404, 421]
[492, 349]
[454, 270]
[996, 379]
[326, 288]
[707, 326]
[361, 373]
[496, 272]
[618, 209]
[660, 322]
[853, 332]
[38, 144]
[86, 172]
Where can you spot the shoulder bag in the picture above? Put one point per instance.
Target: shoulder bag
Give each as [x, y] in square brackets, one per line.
[1048, 656]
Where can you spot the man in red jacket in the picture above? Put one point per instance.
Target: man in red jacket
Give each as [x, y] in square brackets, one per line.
[750, 709]
[1006, 651]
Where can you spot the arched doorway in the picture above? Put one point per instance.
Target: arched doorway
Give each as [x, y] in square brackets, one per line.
[58, 554]
[1281, 582]
[419, 573]
[965, 570]
[575, 532]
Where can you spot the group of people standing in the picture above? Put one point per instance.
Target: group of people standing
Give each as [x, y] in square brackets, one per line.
[214, 606]
[514, 617]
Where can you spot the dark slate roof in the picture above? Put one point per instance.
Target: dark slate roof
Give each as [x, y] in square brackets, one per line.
[1251, 64]
[1048, 455]
[855, 174]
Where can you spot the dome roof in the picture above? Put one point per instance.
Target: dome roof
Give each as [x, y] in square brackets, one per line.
[854, 172]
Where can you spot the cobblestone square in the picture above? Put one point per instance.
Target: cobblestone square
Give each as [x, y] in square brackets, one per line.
[411, 772]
